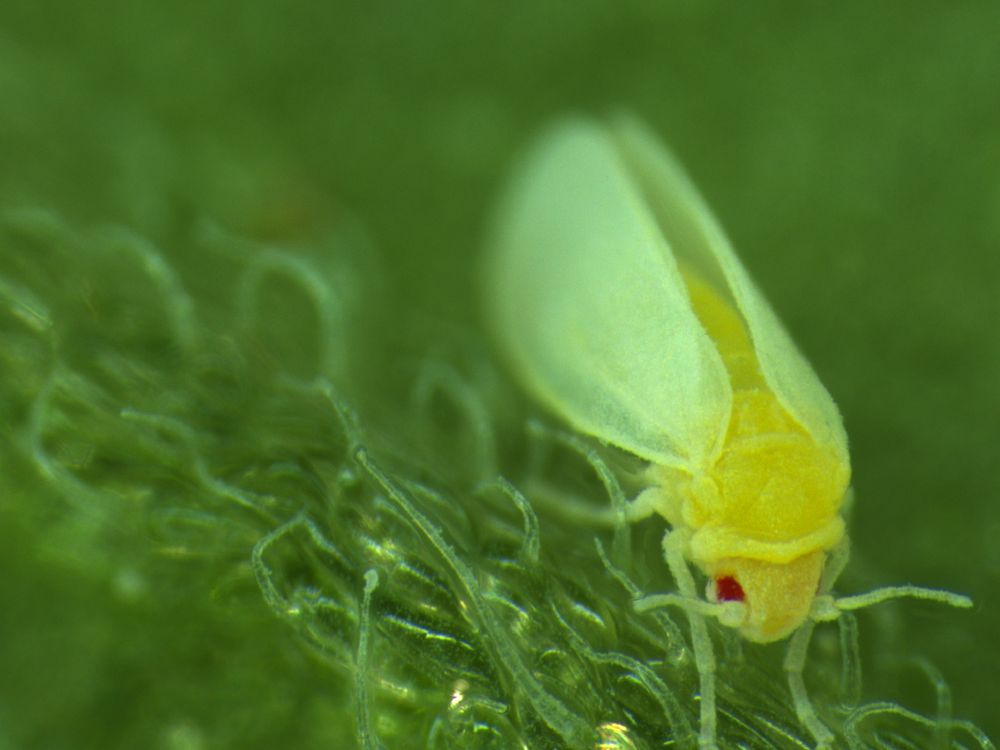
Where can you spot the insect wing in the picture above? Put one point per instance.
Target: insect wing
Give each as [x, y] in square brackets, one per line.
[587, 301]
[696, 238]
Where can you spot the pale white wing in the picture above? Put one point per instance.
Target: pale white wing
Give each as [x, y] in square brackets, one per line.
[697, 238]
[587, 302]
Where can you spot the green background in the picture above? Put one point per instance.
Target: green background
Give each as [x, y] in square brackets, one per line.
[851, 150]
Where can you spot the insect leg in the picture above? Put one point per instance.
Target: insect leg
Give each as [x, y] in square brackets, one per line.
[645, 504]
[795, 664]
[798, 646]
[674, 544]
[835, 564]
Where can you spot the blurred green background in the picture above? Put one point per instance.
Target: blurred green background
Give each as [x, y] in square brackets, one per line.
[851, 150]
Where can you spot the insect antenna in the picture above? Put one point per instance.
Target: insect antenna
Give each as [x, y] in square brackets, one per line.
[827, 608]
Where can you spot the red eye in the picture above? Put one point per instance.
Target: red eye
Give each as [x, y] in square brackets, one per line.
[728, 589]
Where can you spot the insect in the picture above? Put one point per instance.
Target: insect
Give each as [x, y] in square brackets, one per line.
[621, 306]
